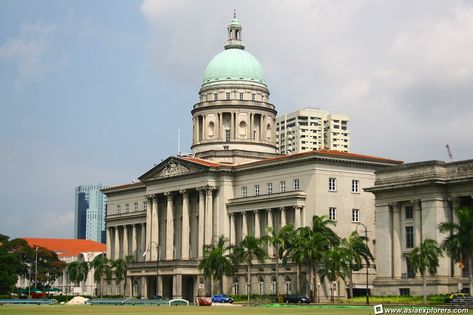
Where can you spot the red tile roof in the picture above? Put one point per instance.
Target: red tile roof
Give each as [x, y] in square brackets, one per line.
[200, 161]
[66, 247]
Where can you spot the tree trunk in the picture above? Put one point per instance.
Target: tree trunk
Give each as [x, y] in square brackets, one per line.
[314, 277]
[351, 285]
[424, 287]
[221, 284]
[470, 273]
[298, 275]
[277, 273]
[248, 283]
[211, 285]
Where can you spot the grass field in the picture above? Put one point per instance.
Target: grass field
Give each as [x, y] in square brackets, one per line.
[165, 310]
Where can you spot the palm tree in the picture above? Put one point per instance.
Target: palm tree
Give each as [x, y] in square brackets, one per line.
[310, 246]
[102, 269]
[249, 249]
[77, 271]
[119, 268]
[459, 243]
[217, 261]
[280, 241]
[336, 265]
[357, 250]
[425, 258]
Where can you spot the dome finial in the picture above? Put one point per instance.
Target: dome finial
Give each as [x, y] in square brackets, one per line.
[234, 34]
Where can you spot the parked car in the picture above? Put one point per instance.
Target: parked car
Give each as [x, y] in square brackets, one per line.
[221, 298]
[293, 298]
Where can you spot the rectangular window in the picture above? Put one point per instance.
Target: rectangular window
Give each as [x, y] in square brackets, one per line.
[228, 95]
[404, 292]
[127, 207]
[227, 135]
[136, 206]
[270, 188]
[296, 184]
[409, 237]
[355, 186]
[118, 209]
[253, 97]
[215, 96]
[244, 191]
[332, 184]
[355, 215]
[256, 190]
[282, 186]
[332, 214]
[241, 96]
[409, 212]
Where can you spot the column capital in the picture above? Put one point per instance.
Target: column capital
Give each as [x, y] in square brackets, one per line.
[168, 194]
[184, 192]
[416, 204]
[231, 214]
[255, 211]
[150, 196]
[268, 210]
[282, 208]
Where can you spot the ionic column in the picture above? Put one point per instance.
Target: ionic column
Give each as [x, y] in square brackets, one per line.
[144, 287]
[201, 222]
[155, 229]
[149, 206]
[257, 225]
[169, 227]
[177, 286]
[417, 223]
[109, 242]
[143, 241]
[297, 216]
[116, 253]
[244, 230]
[134, 247]
[232, 228]
[125, 241]
[185, 238]
[270, 224]
[159, 285]
[208, 216]
[283, 216]
[396, 241]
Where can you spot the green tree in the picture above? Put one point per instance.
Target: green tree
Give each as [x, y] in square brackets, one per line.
[120, 267]
[310, 246]
[102, 270]
[217, 261]
[459, 243]
[77, 271]
[423, 259]
[10, 266]
[280, 241]
[358, 251]
[336, 265]
[249, 249]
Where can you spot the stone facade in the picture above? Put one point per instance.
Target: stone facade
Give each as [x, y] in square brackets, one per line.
[411, 201]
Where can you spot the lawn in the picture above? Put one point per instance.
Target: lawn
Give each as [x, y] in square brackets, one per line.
[164, 310]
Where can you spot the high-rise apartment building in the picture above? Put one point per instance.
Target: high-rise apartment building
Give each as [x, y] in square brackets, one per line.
[89, 213]
[312, 129]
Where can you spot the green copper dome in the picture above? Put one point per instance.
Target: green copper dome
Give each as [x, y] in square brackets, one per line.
[234, 64]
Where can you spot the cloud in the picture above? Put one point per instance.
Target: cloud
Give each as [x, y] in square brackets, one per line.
[396, 69]
[30, 50]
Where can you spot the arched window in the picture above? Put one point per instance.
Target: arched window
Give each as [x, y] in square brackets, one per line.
[288, 285]
[273, 285]
[268, 132]
[242, 131]
[236, 286]
[261, 285]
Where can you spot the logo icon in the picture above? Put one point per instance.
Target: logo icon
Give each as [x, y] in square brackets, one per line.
[378, 309]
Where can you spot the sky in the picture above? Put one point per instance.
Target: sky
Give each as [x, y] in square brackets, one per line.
[95, 91]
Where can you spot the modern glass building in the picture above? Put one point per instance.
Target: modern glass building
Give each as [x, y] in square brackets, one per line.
[89, 213]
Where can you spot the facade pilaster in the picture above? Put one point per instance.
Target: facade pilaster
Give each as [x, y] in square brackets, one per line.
[116, 253]
[297, 216]
[270, 224]
[134, 247]
[244, 230]
[109, 242]
[257, 225]
[231, 218]
[185, 237]
[208, 216]
[149, 206]
[283, 216]
[201, 223]
[417, 222]
[396, 209]
[125, 241]
[169, 227]
[155, 229]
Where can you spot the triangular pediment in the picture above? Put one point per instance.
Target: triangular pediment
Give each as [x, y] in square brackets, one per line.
[172, 166]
